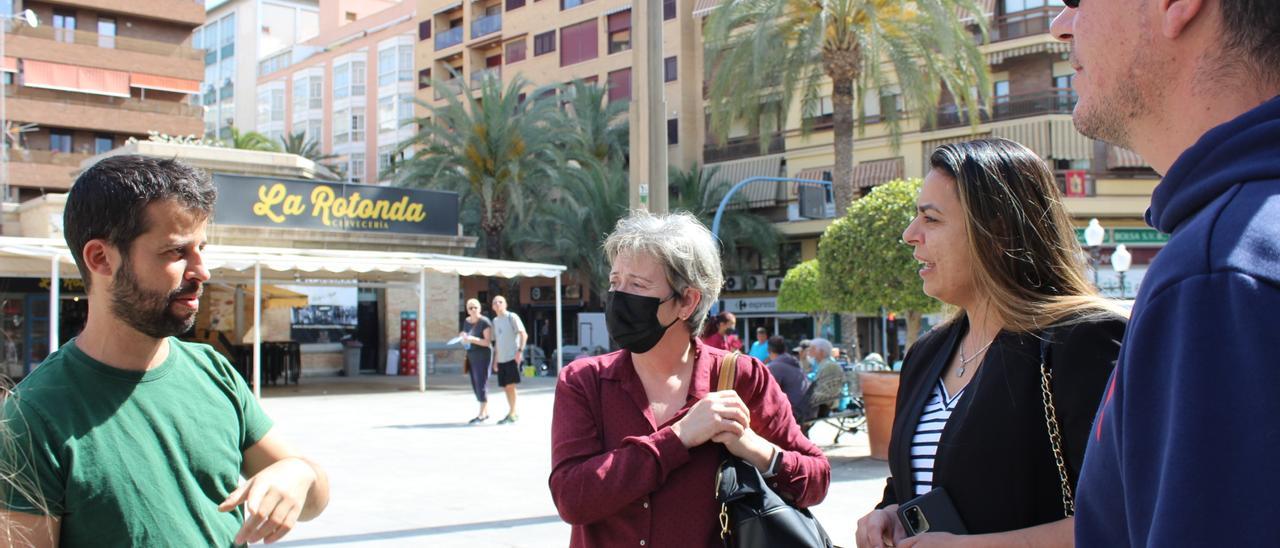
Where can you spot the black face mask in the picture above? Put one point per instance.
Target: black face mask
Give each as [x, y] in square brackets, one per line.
[633, 320]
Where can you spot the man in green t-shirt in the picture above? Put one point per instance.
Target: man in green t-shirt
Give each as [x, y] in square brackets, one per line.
[127, 436]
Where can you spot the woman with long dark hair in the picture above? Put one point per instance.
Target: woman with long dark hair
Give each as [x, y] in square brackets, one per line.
[974, 427]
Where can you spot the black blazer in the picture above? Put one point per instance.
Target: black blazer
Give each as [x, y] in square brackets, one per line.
[994, 456]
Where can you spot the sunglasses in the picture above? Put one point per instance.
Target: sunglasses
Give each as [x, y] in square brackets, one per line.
[1072, 3]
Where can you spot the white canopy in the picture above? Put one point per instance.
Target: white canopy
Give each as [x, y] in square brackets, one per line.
[33, 255]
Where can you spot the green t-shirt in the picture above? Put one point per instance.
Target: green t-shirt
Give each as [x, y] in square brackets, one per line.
[129, 458]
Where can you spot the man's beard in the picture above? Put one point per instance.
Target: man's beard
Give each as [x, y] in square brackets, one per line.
[149, 312]
[1114, 111]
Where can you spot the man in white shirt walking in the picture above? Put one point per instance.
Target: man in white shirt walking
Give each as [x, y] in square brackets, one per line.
[509, 338]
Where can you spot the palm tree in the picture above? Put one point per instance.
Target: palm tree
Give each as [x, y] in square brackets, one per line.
[592, 190]
[784, 48]
[497, 147]
[699, 191]
[598, 126]
[297, 143]
[252, 140]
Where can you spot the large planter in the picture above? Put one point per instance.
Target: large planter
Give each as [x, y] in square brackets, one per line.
[879, 396]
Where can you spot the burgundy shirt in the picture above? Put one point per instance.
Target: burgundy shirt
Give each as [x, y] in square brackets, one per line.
[621, 480]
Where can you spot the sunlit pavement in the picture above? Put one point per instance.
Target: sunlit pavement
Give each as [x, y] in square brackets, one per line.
[406, 469]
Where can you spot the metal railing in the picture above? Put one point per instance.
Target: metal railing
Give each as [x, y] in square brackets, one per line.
[742, 147]
[50, 157]
[1022, 23]
[449, 38]
[1052, 101]
[104, 41]
[152, 106]
[479, 76]
[488, 24]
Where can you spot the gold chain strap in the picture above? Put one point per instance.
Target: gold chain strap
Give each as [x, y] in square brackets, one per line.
[1055, 439]
[728, 373]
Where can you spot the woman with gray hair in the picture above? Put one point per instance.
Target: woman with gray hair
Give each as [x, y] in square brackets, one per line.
[633, 461]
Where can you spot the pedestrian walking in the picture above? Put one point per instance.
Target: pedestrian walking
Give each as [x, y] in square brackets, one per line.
[994, 406]
[127, 436]
[509, 338]
[637, 434]
[477, 335]
[760, 348]
[1184, 449]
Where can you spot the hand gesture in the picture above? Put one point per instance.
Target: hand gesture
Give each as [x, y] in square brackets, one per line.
[272, 500]
[719, 412]
[880, 528]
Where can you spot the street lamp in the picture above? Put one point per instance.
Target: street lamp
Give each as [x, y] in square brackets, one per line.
[1121, 260]
[1093, 235]
[29, 17]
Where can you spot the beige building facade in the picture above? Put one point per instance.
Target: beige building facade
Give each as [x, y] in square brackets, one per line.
[91, 75]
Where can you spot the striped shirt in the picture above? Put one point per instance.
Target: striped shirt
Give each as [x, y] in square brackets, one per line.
[924, 445]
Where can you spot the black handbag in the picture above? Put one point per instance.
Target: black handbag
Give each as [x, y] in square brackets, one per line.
[751, 514]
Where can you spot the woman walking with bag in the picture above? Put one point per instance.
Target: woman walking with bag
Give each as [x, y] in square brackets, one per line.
[995, 406]
[477, 335]
[637, 435]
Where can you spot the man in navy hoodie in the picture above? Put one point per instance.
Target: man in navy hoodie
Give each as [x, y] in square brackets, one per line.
[1187, 440]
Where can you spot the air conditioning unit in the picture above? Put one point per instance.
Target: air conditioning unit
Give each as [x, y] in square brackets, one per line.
[775, 283]
[755, 282]
[733, 283]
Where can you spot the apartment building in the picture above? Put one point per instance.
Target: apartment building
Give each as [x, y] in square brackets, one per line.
[350, 89]
[1032, 104]
[235, 36]
[558, 41]
[88, 77]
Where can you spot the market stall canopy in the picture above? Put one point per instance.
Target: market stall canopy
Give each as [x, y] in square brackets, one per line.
[313, 263]
[276, 296]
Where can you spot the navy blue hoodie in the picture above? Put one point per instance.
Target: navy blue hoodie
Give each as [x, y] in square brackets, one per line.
[1186, 444]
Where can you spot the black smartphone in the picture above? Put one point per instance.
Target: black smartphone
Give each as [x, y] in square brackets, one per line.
[931, 512]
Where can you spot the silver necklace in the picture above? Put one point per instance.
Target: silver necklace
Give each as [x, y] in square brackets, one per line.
[964, 362]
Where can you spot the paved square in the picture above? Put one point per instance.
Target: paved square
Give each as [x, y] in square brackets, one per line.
[406, 470]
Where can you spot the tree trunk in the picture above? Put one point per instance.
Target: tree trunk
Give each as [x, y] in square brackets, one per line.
[493, 250]
[842, 115]
[913, 327]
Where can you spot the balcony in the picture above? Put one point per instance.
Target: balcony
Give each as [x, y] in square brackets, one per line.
[190, 12]
[479, 76]
[98, 113]
[1022, 23]
[91, 49]
[742, 147]
[45, 169]
[449, 38]
[449, 88]
[486, 25]
[1052, 101]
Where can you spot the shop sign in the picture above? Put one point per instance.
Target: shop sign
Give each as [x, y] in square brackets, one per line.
[1129, 236]
[40, 285]
[750, 306]
[293, 203]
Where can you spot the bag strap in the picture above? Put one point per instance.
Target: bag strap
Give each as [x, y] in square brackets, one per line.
[1051, 422]
[728, 371]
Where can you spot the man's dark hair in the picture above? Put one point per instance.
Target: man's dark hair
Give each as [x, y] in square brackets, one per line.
[109, 200]
[1252, 29]
[777, 345]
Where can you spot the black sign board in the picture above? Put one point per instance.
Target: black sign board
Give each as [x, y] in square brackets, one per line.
[314, 205]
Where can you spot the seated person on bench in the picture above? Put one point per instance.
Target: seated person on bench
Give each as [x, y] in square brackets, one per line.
[828, 379]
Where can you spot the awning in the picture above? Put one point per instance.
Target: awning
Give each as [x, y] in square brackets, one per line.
[1056, 139]
[276, 296]
[10, 65]
[40, 74]
[703, 7]
[814, 173]
[997, 57]
[618, 9]
[876, 172]
[163, 83]
[758, 194]
[1123, 158]
[447, 8]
